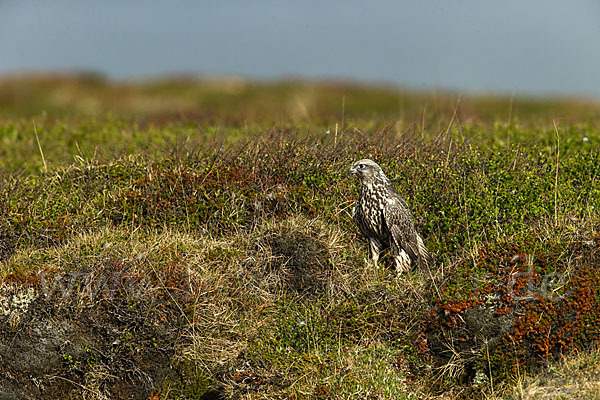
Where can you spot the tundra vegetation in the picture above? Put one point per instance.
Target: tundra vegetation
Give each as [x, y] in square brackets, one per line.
[187, 238]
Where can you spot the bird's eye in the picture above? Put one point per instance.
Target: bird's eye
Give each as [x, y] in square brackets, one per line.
[361, 166]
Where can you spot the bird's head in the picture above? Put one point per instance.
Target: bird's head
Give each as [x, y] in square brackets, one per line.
[366, 170]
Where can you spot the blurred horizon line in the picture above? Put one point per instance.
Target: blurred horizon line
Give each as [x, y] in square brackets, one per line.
[228, 79]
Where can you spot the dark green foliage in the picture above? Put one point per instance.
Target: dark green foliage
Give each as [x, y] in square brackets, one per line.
[469, 194]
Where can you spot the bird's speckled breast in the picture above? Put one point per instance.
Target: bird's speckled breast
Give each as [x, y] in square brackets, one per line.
[372, 202]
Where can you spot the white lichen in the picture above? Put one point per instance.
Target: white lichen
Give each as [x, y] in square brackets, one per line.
[480, 379]
[15, 301]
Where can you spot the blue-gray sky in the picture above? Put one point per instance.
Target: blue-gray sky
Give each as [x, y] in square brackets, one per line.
[532, 47]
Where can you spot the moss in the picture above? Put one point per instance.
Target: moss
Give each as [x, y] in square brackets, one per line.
[529, 308]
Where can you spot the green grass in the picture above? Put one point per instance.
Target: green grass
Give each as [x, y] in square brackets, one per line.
[199, 235]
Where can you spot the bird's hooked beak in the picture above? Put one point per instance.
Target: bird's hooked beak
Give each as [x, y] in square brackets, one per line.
[353, 170]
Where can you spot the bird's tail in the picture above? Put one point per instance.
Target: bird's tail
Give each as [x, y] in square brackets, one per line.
[425, 257]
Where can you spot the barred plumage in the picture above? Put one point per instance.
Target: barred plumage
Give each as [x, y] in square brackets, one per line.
[383, 217]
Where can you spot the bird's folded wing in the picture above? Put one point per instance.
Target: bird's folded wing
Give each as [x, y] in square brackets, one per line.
[399, 221]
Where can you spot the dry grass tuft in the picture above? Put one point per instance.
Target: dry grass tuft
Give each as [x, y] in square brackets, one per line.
[576, 376]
